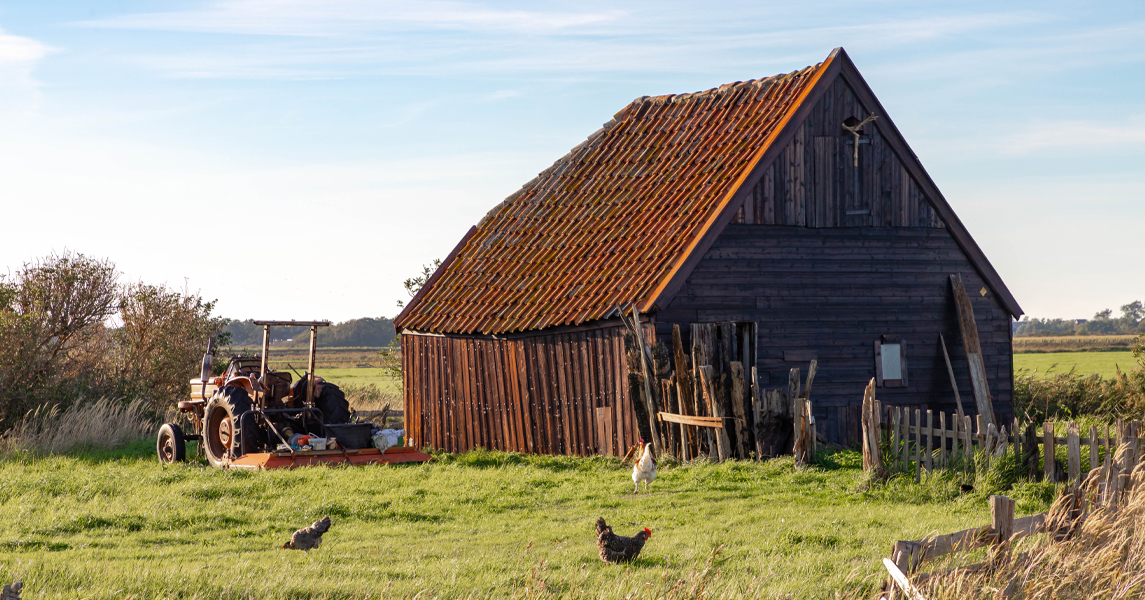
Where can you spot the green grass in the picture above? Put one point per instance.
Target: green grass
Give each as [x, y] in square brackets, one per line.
[1085, 362]
[114, 524]
[360, 376]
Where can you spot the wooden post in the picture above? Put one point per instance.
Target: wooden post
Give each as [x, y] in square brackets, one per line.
[810, 378]
[1073, 452]
[953, 381]
[757, 412]
[1048, 451]
[668, 392]
[313, 351]
[1093, 447]
[942, 439]
[954, 442]
[981, 435]
[905, 450]
[649, 401]
[929, 440]
[1002, 517]
[968, 440]
[1031, 449]
[973, 350]
[739, 397]
[723, 444]
[685, 391]
[896, 437]
[871, 420]
[918, 445]
[793, 386]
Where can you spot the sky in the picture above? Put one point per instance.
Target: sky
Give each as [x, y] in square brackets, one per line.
[301, 158]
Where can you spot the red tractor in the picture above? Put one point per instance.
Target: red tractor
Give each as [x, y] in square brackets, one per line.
[251, 416]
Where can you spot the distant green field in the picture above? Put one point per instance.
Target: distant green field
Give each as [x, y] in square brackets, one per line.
[1084, 362]
[360, 376]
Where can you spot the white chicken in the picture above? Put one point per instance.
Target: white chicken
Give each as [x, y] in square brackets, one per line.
[645, 469]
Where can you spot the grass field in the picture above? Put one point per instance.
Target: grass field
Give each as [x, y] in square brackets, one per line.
[1075, 343]
[117, 525]
[1085, 362]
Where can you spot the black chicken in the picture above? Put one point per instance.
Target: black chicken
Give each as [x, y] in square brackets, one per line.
[308, 538]
[617, 548]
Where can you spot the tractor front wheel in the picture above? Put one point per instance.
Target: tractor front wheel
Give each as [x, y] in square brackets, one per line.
[171, 446]
[221, 418]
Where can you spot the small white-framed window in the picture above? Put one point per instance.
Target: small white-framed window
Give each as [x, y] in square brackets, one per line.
[890, 362]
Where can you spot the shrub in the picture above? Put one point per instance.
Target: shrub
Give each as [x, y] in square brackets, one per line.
[1070, 395]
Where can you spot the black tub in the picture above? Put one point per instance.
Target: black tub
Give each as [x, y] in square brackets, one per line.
[352, 436]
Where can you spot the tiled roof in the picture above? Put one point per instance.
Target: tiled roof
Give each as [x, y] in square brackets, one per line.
[614, 219]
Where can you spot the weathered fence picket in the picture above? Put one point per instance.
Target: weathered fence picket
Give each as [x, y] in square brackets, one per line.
[916, 443]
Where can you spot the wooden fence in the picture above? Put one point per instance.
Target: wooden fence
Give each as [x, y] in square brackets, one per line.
[709, 402]
[916, 440]
[1106, 487]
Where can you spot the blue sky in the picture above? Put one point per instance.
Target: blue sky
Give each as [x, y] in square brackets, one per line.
[299, 159]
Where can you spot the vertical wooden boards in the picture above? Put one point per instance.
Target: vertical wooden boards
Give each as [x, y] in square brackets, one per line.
[1048, 449]
[973, 350]
[739, 398]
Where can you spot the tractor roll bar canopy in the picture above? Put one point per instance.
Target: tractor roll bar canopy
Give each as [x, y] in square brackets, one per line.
[314, 325]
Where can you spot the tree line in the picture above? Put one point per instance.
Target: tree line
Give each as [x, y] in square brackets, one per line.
[1131, 322]
[372, 332]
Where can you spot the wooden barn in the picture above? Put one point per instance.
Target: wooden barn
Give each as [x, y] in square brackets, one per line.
[756, 227]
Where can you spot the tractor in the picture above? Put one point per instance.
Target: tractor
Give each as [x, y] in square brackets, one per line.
[252, 416]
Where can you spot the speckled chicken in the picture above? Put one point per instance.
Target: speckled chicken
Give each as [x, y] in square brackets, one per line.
[617, 548]
[308, 538]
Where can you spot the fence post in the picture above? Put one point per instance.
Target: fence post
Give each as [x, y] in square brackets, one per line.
[1048, 451]
[1002, 517]
[929, 440]
[1073, 452]
[918, 445]
[942, 439]
[967, 433]
[1093, 447]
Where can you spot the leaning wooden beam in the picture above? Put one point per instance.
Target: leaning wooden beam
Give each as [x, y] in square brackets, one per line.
[685, 391]
[950, 371]
[715, 422]
[649, 400]
[902, 581]
[973, 350]
[723, 443]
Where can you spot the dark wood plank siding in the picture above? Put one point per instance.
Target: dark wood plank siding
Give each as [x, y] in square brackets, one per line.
[813, 182]
[835, 291]
[538, 394]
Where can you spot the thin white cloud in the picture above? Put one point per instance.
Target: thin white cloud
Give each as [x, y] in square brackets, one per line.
[341, 17]
[19, 57]
[1074, 134]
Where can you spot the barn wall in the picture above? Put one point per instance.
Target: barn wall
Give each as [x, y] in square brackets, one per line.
[813, 184]
[549, 393]
[835, 292]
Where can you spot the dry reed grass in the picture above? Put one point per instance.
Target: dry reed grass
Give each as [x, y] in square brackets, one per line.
[1103, 558]
[371, 397]
[102, 424]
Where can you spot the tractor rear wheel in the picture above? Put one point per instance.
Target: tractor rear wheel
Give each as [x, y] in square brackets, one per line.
[222, 417]
[171, 446]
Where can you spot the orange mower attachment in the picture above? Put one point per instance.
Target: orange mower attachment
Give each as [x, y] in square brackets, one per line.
[309, 458]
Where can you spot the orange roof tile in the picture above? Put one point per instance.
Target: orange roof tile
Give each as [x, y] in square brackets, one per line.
[614, 220]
